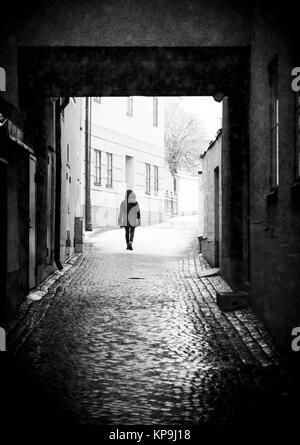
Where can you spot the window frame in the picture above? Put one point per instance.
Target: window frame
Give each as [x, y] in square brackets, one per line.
[148, 179]
[109, 169]
[155, 112]
[98, 170]
[129, 106]
[274, 124]
[68, 154]
[156, 179]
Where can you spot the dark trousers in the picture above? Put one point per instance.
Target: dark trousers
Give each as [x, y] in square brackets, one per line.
[129, 234]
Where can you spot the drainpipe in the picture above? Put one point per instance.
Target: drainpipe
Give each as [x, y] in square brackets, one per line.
[88, 114]
[59, 107]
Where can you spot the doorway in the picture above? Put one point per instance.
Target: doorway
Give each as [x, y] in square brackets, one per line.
[217, 216]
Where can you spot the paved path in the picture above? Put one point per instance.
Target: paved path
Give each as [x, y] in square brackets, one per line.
[137, 338]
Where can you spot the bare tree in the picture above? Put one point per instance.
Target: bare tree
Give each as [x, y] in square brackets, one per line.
[185, 138]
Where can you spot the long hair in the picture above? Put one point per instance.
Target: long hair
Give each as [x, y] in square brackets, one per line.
[128, 192]
[130, 197]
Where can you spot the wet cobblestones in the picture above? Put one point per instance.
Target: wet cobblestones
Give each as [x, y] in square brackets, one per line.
[140, 340]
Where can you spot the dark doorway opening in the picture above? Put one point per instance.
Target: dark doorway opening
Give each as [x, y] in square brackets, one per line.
[217, 215]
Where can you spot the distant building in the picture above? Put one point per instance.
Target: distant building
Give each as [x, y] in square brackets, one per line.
[187, 193]
[181, 193]
[127, 152]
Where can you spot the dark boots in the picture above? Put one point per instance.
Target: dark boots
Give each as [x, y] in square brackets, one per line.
[129, 234]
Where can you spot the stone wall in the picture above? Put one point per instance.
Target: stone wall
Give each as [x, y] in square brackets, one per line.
[17, 248]
[274, 216]
[211, 160]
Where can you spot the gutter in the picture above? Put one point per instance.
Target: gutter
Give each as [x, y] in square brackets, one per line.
[88, 213]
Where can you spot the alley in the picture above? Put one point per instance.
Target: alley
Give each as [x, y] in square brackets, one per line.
[137, 338]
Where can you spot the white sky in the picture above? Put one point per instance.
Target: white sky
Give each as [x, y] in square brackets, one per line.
[208, 110]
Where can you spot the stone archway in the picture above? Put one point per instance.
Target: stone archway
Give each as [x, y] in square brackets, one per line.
[153, 71]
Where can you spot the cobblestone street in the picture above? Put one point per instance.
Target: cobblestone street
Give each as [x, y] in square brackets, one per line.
[137, 338]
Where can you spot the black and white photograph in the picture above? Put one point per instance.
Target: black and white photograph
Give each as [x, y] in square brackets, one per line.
[150, 217]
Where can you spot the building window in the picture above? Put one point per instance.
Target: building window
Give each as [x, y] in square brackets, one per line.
[97, 100]
[274, 116]
[297, 136]
[109, 170]
[148, 178]
[155, 179]
[155, 112]
[129, 106]
[98, 167]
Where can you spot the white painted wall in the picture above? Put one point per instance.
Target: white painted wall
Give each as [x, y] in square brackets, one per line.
[132, 136]
[72, 177]
[200, 201]
[211, 159]
[111, 114]
[187, 192]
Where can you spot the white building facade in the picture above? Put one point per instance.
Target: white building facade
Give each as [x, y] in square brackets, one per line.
[181, 193]
[72, 180]
[127, 152]
[187, 193]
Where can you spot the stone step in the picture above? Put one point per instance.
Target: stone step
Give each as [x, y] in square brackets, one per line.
[230, 301]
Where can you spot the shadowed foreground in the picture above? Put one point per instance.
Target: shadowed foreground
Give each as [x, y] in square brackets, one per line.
[137, 338]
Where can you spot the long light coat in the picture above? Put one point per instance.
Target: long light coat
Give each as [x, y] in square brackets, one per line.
[130, 214]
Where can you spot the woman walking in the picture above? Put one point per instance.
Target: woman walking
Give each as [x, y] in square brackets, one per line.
[129, 216]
